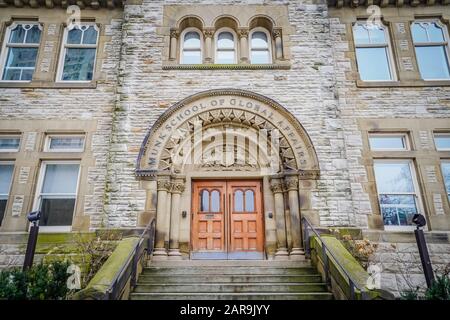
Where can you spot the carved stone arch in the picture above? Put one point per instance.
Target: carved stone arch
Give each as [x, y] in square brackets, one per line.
[261, 21]
[226, 20]
[223, 106]
[190, 21]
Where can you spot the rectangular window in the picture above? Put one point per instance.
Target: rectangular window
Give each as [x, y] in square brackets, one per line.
[79, 51]
[446, 175]
[20, 51]
[397, 192]
[391, 142]
[431, 44]
[442, 141]
[6, 174]
[9, 143]
[57, 194]
[373, 52]
[64, 143]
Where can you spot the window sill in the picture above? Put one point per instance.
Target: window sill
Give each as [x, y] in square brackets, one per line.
[405, 83]
[211, 66]
[49, 85]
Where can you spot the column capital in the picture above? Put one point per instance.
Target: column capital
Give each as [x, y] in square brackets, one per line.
[276, 32]
[177, 186]
[291, 183]
[276, 185]
[243, 32]
[163, 184]
[208, 32]
[174, 33]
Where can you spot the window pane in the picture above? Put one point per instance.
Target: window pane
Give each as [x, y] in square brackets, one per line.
[6, 172]
[238, 201]
[249, 201]
[21, 57]
[60, 178]
[66, 143]
[387, 142]
[259, 40]
[2, 208]
[74, 36]
[90, 35]
[192, 40]
[204, 200]
[373, 64]
[192, 57]
[12, 74]
[215, 201]
[361, 34]
[9, 143]
[225, 41]
[442, 142]
[33, 34]
[419, 33]
[397, 216]
[446, 174]
[393, 178]
[435, 33]
[377, 35]
[17, 34]
[78, 64]
[432, 62]
[56, 212]
[260, 57]
[225, 57]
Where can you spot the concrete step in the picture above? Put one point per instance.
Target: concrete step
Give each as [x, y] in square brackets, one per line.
[241, 287]
[196, 278]
[233, 296]
[209, 270]
[229, 263]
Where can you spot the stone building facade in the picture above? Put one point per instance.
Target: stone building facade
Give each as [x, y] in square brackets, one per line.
[341, 128]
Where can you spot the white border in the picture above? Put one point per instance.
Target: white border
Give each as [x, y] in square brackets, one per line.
[183, 34]
[8, 136]
[37, 197]
[403, 136]
[235, 39]
[65, 46]
[49, 137]
[432, 44]
[416, 193]
[440, 134]
[6, 46]
[269, 44]
[387, 45]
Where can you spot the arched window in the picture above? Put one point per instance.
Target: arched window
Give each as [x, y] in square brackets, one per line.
[191, 47]
[260, 52]
[373, 52]
[225, 47]
[431, 45]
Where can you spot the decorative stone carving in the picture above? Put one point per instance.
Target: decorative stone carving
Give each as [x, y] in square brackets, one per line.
[276, 186]
[291, 183]
[243, 32]
[208, 33]
[177, 187]
[94, 4]
[174, 33]
[163, 185]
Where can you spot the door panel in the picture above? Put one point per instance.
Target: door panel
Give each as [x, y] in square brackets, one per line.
[208, 227]
[246, 227]
[227, 220]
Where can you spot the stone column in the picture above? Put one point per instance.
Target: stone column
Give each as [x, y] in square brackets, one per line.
[208, 34]
[291, 185]
[177, 189]
[278, 43]
[276, 186]
[243, 36]
[163, 186]
[174, 34]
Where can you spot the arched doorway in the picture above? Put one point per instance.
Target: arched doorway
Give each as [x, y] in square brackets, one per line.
[229, 166]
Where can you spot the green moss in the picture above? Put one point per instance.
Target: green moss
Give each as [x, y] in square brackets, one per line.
[46, 238]
[97, 287]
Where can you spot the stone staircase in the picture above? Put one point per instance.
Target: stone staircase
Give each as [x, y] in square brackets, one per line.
[230, 280]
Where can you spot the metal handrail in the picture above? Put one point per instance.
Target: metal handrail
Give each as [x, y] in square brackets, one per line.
[129, 268]
[326, 264]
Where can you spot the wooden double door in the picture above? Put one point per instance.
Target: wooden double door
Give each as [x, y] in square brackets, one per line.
[227, 220]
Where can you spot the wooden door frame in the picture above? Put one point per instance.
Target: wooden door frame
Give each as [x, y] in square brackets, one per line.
[227, 213]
